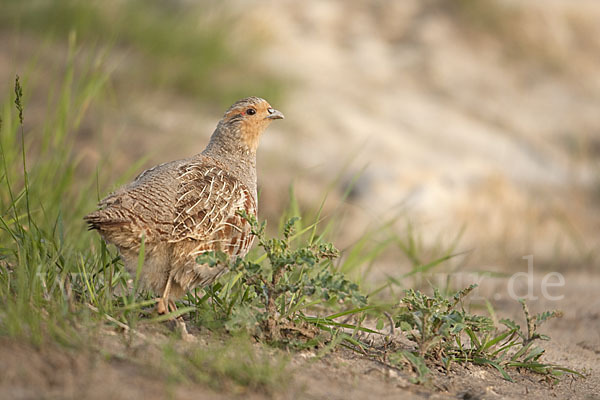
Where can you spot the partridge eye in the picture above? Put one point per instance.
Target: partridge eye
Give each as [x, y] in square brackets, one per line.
[251, 111]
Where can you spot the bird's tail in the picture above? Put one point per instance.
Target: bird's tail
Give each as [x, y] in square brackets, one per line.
[101, 220]
[93, 220]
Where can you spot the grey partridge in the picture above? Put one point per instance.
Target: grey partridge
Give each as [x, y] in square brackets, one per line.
[184, 208]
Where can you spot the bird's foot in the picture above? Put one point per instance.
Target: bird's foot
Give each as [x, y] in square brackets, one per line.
[161, 306]
[164, 306]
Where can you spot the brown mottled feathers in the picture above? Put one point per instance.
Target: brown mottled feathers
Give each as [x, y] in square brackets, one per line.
[188, 207]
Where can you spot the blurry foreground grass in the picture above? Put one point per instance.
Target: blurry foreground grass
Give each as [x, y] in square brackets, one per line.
[60, 285]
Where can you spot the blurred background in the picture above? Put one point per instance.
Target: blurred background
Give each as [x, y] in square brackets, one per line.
[470, 125]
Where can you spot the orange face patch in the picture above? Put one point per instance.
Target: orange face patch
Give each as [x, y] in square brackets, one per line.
[253, 123]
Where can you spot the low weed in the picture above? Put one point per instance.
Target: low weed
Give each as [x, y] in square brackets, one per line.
[443, 332]
[275, 293]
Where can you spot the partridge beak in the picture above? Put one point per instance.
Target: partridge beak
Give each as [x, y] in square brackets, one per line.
[274, 114]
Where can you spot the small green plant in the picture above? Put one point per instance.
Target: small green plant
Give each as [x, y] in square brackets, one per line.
[444, 332]
[275, 293]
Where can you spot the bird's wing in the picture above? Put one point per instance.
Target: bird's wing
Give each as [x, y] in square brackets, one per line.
[206, 210]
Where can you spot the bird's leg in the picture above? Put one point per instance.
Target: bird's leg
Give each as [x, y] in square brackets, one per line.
[164, 304]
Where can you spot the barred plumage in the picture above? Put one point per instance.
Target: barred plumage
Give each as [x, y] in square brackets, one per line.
[184, 208]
